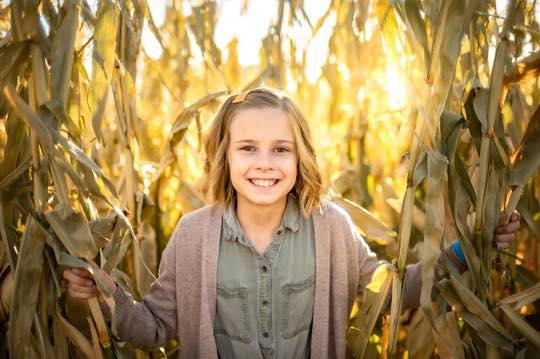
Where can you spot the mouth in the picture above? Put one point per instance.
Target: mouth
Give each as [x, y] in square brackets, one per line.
[263, 183]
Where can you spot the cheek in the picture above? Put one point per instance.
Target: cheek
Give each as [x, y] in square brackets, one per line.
[292, 168]
[236, 164]
[294, 164]
[233, 172]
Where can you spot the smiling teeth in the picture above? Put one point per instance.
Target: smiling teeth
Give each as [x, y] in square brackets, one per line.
[263, 183]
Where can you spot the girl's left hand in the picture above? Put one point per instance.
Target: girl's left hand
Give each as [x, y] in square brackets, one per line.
[505, 233]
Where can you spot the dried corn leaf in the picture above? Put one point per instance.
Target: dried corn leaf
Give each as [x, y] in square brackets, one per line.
[522, 326]
[11, 177]
[11, 56]
[45, 346]
[496, 83]
[417, 173]
[476, 114]
[388, 22]
[148, 256]
[115, 250]
[447, 338]
[183, 120]
[418, 216]
[373, 227]
[103, 57]
[419, 341]
[434, 225]
[95, 339]
[12, 62]
[73, 231]
[476, 307]
[449, 31]
[103, 227]
[99, 320]
[201, 23]
[60, 341]
[25, 112]
[57, 109]
[523, 298]
[75, 336]
[24, 19]
[528, 67]
[17, 149]
[478, 323]
[63, 46]
[416, 23]
[461, 194]
[527, 155]
[372, 304]
[25, 297]
[451, 125]
[83, 159]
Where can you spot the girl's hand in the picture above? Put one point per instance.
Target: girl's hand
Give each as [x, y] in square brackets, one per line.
[505, 232]
[80, 283]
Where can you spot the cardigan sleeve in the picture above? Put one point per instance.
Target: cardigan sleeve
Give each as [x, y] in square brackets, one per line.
[412, 283]
[368, 262]
[153, 321]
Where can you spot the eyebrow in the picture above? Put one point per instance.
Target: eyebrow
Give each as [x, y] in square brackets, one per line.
[253, 141]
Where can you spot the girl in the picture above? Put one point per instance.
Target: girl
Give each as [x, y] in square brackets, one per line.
[270, 270]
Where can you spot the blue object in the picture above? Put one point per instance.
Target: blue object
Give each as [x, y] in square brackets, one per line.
[458, 251]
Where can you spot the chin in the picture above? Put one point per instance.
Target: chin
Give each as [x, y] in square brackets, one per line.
[263, 201]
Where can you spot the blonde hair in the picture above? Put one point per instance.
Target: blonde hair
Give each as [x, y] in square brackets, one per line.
[217, 184]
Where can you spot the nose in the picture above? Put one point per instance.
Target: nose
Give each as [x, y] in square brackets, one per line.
[264, 161]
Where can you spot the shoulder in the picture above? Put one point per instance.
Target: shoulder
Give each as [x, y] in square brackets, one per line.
[336, 218]
[190, 224]
[199, 216]
[333, 213]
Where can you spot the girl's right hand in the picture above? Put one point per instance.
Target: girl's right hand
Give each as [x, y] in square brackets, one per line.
[80, 283]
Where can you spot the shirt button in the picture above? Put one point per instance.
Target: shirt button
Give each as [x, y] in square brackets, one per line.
[264, 269]
[280, 232]
[265, 302]
[266, 334]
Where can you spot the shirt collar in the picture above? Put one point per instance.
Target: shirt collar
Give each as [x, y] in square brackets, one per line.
[233, 231]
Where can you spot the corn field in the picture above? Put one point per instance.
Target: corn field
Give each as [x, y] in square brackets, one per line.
[425, 115]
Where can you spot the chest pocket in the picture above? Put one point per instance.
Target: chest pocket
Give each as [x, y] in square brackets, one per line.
[297, 307]
[232, 317]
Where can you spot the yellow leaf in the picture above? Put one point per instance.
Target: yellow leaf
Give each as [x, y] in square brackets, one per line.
[379, 277]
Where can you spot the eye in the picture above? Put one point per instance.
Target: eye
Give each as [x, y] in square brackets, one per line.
[282, 149]
[247, 148]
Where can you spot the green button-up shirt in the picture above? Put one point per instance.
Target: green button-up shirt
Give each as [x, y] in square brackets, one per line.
[265, 302]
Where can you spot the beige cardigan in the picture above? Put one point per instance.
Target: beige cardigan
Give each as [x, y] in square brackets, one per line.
[183, 299]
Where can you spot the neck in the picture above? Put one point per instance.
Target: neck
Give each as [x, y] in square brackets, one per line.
[263, 220]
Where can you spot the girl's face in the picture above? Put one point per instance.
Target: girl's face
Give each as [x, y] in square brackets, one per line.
[262, 156]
